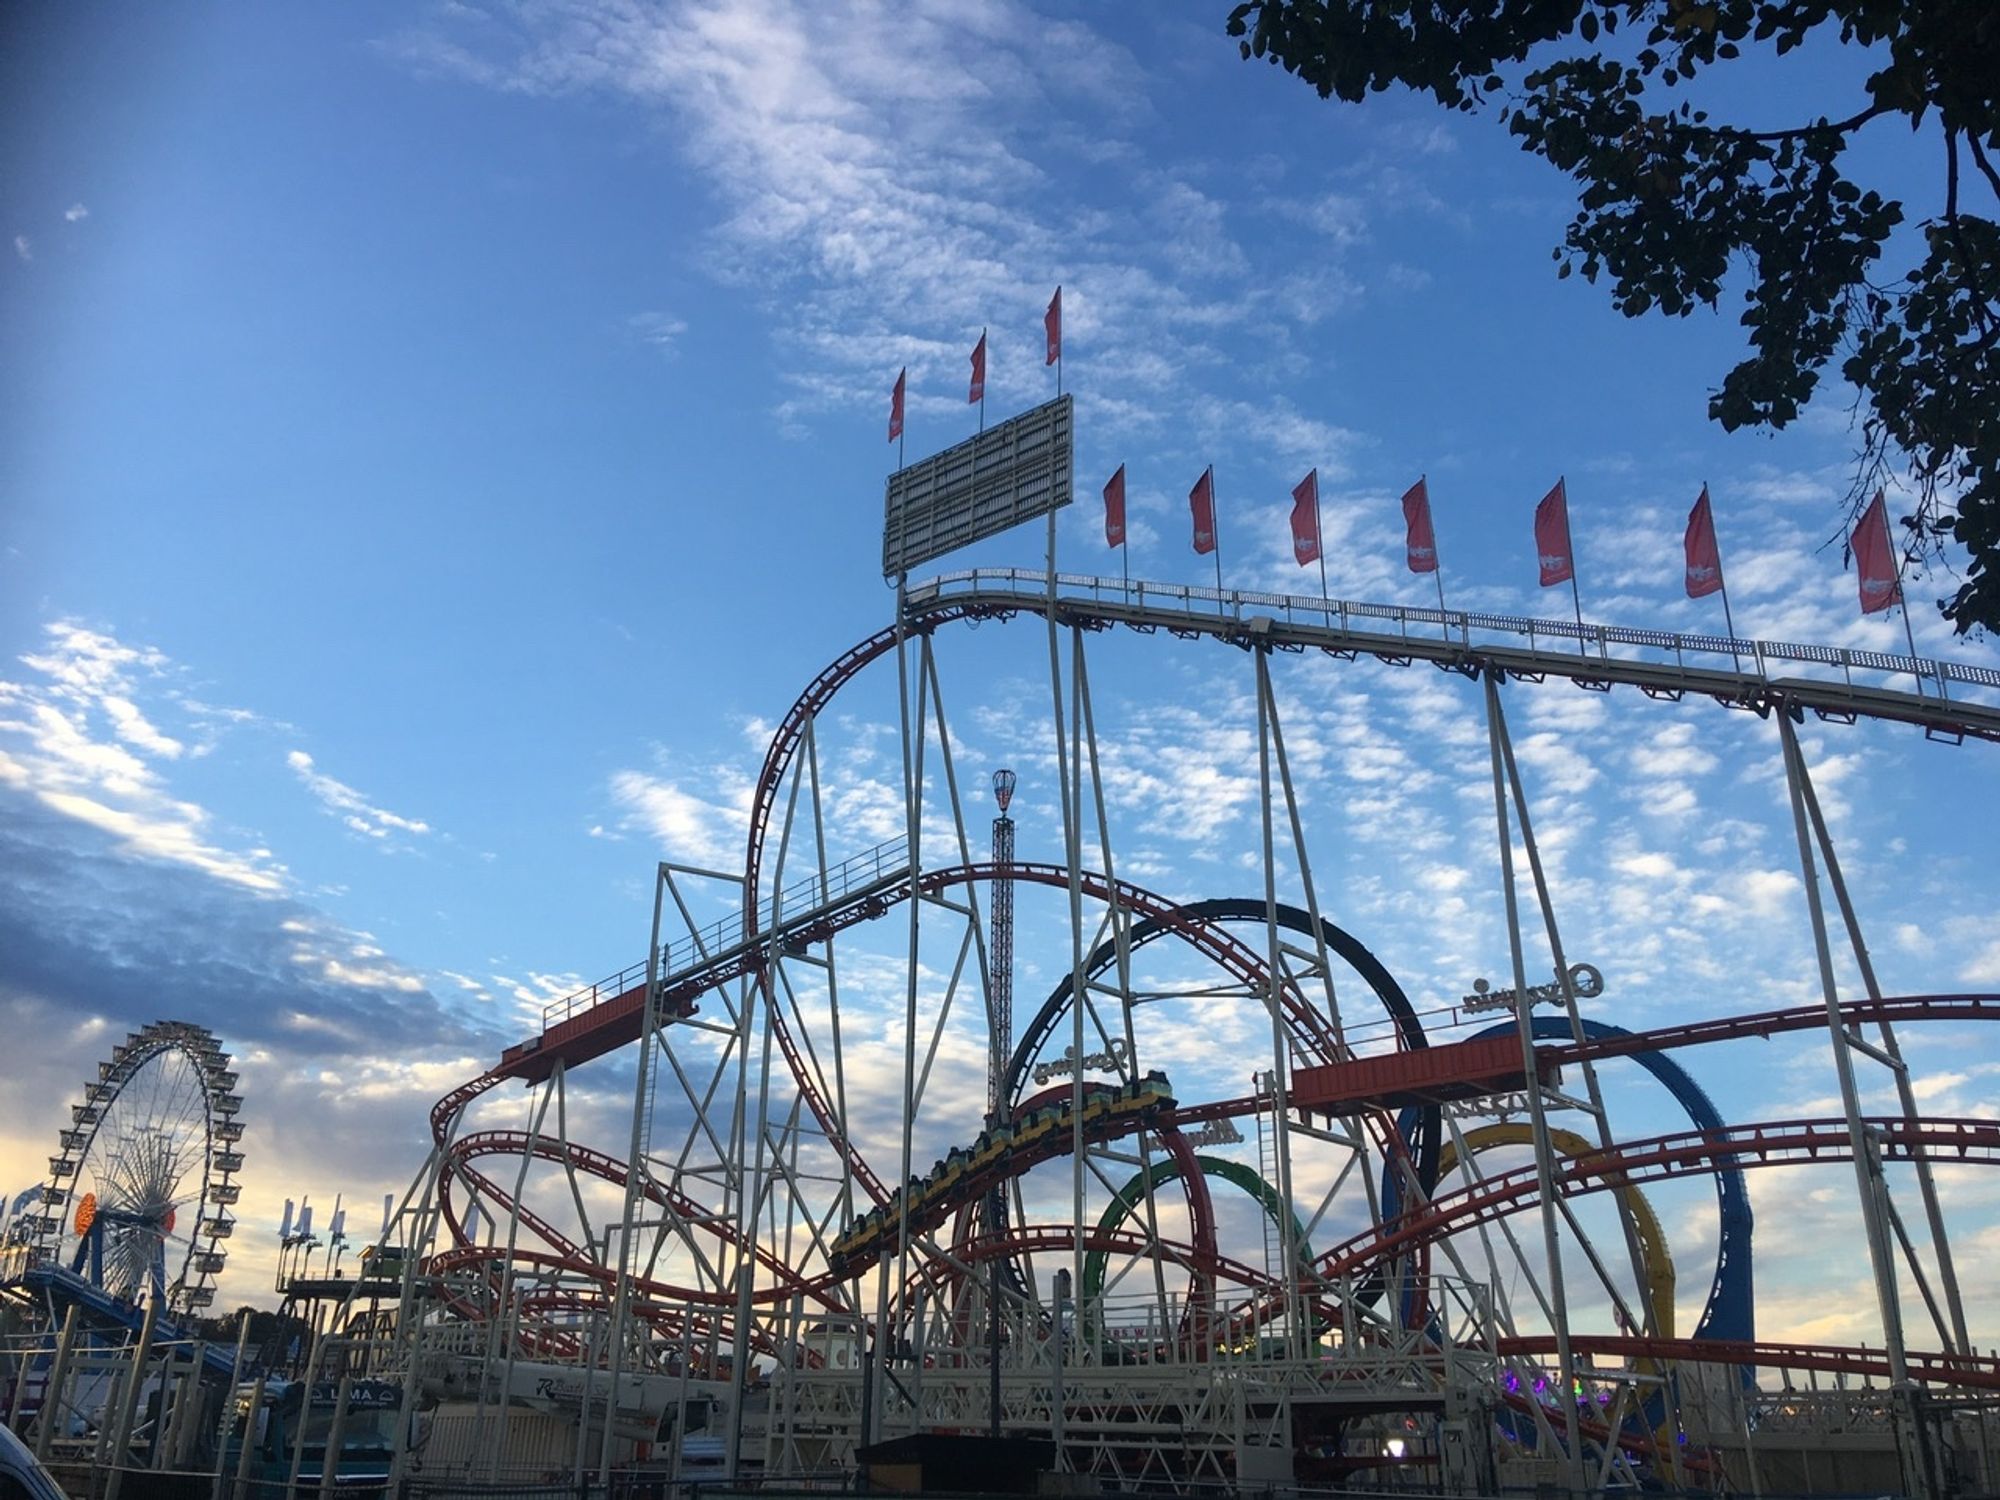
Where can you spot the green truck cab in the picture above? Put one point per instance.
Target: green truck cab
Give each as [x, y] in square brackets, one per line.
[291, 1408]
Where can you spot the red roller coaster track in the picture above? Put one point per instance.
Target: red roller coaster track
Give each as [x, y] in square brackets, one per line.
[616, 1021]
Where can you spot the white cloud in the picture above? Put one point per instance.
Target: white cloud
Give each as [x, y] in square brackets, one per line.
[1673, 753]
[1984, 967]
[687, 826]
[1342, 218]
[76, 724]
[76, 213]
[660, 330]
[348, 959]
[356, 811]
[24, 247]
[169, 831]
[889, 168]
[1561, 766]
[135, 729]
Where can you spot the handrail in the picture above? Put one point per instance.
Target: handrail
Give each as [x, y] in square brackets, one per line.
[724, 935]
[1747, 656]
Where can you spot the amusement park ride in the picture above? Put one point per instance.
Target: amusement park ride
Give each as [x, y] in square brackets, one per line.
[1417, 1253]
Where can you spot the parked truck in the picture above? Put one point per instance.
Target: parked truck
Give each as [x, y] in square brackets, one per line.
[295, 1422]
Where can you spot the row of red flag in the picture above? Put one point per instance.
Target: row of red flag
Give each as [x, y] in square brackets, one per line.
[1876, 566]
[975, 394]
[1874, 554]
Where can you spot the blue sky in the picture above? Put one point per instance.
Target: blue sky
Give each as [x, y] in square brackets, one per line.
[436, 443]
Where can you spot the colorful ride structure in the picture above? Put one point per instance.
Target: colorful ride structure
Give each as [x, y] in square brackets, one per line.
[1380, 1264]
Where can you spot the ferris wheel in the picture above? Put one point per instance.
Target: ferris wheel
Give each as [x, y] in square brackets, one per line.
[140, 1190]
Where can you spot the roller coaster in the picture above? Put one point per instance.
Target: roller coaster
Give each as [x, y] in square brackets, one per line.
[1008, 1147]
[1380, 1264]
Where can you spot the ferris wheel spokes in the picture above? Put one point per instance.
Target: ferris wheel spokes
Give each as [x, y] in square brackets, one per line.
[142, 1178]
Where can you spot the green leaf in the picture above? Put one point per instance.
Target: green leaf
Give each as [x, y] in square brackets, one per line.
[1679, 208]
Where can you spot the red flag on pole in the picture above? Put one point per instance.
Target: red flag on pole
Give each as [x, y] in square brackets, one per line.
[977, 393]
[1201, 500]
[1052, 326]
[896, 406]
[1114, 509]
[1420, 542]
[1305, 519]
[1552, 537]
[1704, 558]
[1875, 558]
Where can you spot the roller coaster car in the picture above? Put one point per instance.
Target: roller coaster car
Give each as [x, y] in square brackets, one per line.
[1124, 1106]
[1031, 1131]
[850, 1243]
[860, 1232]
[950, 1172]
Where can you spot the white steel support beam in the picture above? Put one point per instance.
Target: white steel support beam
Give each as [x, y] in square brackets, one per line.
[1912, 1439]
[641, 1098]
[1281, 1060]
[1496, 728]
[1635, 1254]
[1956, 1338]
[1121, 935]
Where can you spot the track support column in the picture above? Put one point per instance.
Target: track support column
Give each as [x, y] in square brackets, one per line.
[621, 1306]
[1913, 1438]
[1496, 732]
[1296, 1336]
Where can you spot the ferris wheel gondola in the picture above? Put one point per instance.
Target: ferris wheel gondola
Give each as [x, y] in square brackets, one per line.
[142, 1183]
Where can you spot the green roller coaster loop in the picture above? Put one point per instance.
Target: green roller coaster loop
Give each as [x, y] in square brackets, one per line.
[1127, 1199]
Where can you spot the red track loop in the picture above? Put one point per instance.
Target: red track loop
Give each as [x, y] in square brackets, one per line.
[652, 1300]
[1978, 1371]
[618, 1021]
[518, 1143]
[1684, 1154]
[615, 1022]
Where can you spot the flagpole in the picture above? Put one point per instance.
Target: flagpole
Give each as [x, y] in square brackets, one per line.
[1569, 542]
[1215, 523]
[1903, 598]
[1437, 557]
[1319, 540]
[982, 383]
[1722, 581]
[898, 412]
[1059, 343]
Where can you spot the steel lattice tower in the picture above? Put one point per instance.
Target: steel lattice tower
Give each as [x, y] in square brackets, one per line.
[1000, 983]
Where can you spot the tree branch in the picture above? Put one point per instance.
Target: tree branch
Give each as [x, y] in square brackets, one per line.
[1822, 127]
[1981, 308]
[1979, 156]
